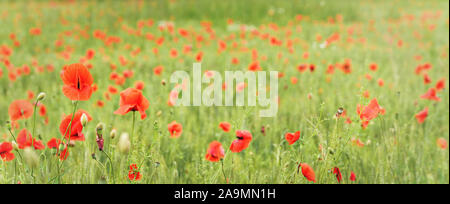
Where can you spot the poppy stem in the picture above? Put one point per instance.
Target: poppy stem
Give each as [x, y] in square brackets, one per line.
[69, 129]
[132, 132]
[112, 167]
[12, 135]
[223, 172]
[34, 123]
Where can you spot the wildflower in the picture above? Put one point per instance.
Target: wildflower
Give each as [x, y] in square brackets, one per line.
[338, 174]
[6, 151]
[175, 129]
[442, 143]
[77, 82]
[422, 115]
[20, 109]
[134, 174]
[307, 172]
[291, 138]
[215, 152]
[352, 176]
[132, 100]
[225, 126]
[25, 139]
[243, 140]
[431, 95]
[76, 131]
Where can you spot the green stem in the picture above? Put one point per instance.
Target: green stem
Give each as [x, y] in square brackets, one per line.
[34, 123]
[21, 158]
[112, 167]
[132, 134]
[68, 129]
[223, 172]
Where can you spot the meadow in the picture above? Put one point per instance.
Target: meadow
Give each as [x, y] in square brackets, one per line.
[364, 82]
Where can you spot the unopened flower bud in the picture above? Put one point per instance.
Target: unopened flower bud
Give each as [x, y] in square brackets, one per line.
[113, 133]
[159, 113]
[163, 82]
[99, 129]
[41, 96]
[124, 143]
[15, 146]
[30, 157]
[84, 120]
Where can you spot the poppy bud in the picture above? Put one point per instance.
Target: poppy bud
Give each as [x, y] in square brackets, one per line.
[30, 157]
[159, 113]
[99, 129]
[84, 120]
[41, 96]
[163, 82]
[113, 133]
[15, 146]
[124, 143]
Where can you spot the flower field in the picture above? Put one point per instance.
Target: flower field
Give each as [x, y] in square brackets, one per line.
[88, 92]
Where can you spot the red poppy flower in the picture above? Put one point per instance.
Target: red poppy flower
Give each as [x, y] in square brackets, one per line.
[6, 151]
[442, 143]
[373, 67]
[338, 174]
[243, 140]
[422, 115]
[215, 152]
[158, 70]
[225, 126]
[292, 137]
[20, 109]
[175, 129]
[132, 100]
[134, 174]
[53, 143]
[352, 176]
[25, 139]
[440, 85]
[76, 132]
[431, 95]
[77, 82]
[371, 111]
[308, 172]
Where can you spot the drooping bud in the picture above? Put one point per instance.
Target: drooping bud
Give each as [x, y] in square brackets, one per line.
[113, 133]
[124, 143]
[84, 120]
[163, 82]
[41, 96]
[30, 157]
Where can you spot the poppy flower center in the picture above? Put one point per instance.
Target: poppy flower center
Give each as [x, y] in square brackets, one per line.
[78, 84]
